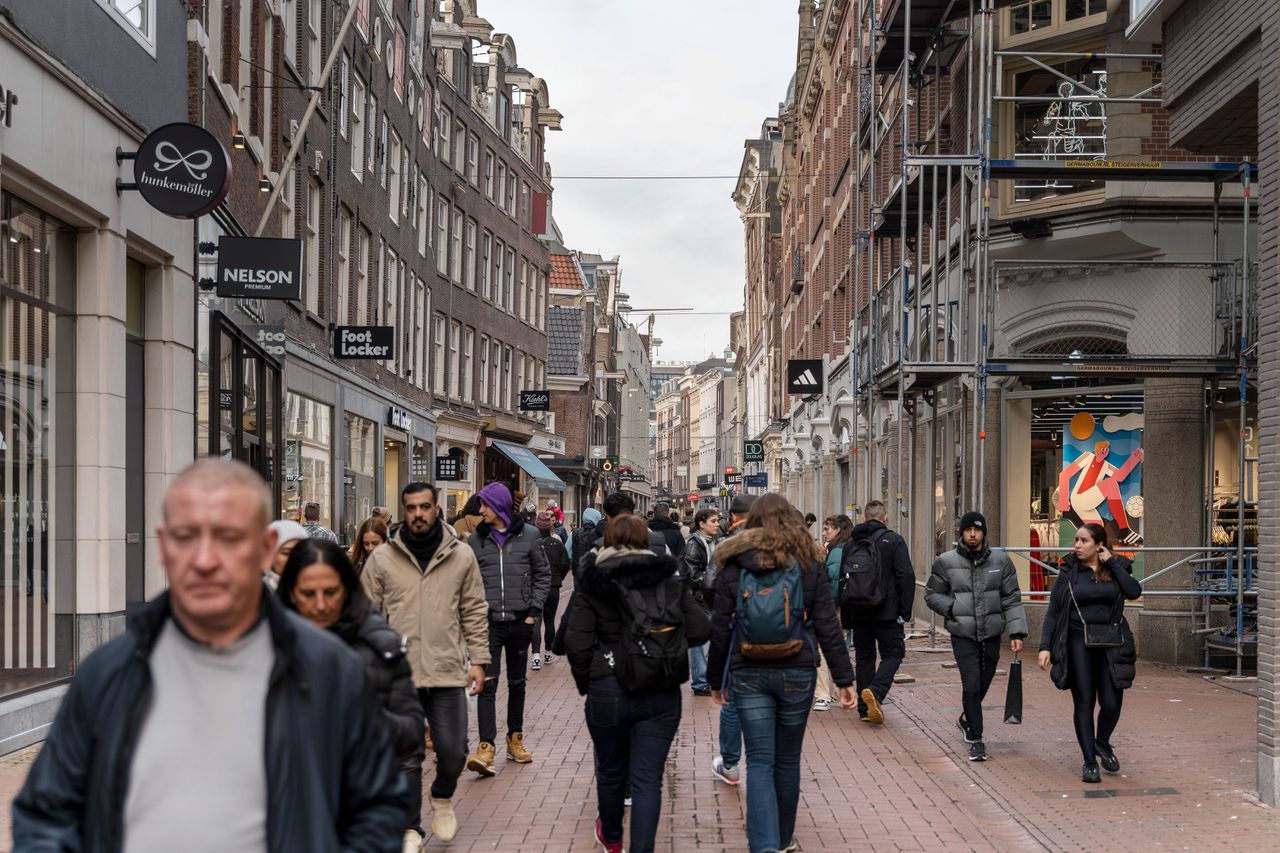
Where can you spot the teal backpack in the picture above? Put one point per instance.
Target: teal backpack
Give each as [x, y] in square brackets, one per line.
[770, 621]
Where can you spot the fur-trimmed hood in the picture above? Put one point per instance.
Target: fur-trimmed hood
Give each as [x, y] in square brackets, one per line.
[631, 567]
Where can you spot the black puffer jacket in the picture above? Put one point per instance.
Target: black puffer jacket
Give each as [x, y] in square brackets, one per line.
[739, 555]
[557, 558]
[332, 779]
[671, 535]
[382, 652]
[516, 576]
[1121, 660]
[595, 624]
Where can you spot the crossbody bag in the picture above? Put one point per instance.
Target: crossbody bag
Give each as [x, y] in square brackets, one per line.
[1108, 636]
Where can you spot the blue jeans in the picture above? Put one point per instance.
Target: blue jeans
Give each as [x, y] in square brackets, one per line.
[698, 666]
[632, 733]
[730, 734]
[773, 704]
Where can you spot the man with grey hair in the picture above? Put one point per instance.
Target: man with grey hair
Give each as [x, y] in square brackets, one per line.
[219, 720]
[311, 523]
[877, 589]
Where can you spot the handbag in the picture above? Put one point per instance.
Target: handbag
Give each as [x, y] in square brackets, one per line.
[1109, 636]
[1013, 694]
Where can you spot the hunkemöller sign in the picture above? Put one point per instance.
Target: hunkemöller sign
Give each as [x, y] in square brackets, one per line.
[182, 170]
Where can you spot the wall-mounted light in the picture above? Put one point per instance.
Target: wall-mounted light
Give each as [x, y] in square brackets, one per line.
[238, 141]
[264, 186]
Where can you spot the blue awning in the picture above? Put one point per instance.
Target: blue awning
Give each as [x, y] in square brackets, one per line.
[531, 465]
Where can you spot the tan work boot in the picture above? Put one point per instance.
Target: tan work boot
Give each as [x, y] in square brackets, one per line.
[444, 824]
[482, 760]
[874, 714]
[515, 749]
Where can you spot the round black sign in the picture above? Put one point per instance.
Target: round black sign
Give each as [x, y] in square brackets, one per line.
[182, 169]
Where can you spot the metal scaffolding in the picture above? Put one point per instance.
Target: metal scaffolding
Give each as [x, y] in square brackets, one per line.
[928, 337]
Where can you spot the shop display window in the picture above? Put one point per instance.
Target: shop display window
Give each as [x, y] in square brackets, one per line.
[360, 477]
[308, 457]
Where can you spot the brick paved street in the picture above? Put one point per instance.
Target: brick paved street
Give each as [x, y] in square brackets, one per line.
[1186, 745]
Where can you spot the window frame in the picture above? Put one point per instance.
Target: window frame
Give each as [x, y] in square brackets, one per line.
[145, 38]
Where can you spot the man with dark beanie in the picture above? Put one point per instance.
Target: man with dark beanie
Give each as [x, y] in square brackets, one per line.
[516, 582]
[558, 561]
[976, 590]
[426, 582]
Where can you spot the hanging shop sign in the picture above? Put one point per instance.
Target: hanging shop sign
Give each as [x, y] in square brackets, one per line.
[8, 100]
[599, 451]
[364, 342]
[753, 451]
[181, 170]
[535, 401]
[733, 479]
[804, 376]
[399, 418]
[449, 468]
[259, 268]
[270, 337]
[757, 481]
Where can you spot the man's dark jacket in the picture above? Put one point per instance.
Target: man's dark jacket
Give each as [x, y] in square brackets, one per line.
[333, 781]
[896, 569]
[671, 535]
[516, 575]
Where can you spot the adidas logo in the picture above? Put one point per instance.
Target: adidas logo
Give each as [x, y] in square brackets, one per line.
[806, 378]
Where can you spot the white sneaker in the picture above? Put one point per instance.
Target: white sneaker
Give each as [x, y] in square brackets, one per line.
[727, 773]
[444, 824]
[822, 705]
[537, 662]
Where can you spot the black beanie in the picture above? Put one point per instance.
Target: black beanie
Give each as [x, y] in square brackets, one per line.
[973, 519]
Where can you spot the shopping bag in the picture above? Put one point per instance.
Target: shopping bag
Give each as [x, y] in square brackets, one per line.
[1013, 696]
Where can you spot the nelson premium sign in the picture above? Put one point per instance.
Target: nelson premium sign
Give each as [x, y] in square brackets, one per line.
[180, 169]
[259, 268]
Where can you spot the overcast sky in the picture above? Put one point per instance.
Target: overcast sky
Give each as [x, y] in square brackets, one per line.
[657, 87]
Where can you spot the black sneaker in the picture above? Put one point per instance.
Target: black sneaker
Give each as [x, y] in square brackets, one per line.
[978, 752]
[1089, 772]
[702, 691]
[1107, 756]
[964, 727]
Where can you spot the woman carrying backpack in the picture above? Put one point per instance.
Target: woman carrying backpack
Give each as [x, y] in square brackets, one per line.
[1089, 645]
[628, 646]
[772, 609]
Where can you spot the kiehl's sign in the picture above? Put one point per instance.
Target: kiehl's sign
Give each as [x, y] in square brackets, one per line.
[371, 342]
[535, 401]
[182, 169]
[259, 268]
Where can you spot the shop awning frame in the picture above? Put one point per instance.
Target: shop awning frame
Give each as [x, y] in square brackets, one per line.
[529, 462]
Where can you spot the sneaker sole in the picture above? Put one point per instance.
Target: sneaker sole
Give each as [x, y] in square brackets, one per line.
[965, 731]
[486, 770]
[725, 779]
[511, 757]
[874, 714]
[977, 758]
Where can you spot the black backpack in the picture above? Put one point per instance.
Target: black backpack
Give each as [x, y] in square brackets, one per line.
[653, 653]
[863, 585]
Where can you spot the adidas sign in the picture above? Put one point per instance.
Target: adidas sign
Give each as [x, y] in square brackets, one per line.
[804, 376]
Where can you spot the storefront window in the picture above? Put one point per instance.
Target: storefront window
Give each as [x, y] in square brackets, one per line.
[1071, 126]
[308, 455]
[37, 353]
[359, 480]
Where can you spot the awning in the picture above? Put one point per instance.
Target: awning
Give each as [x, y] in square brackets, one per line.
[530, 464]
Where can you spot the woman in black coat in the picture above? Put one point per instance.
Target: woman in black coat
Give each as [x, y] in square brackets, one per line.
[1091, 589]
[632, 727]
[320, 584]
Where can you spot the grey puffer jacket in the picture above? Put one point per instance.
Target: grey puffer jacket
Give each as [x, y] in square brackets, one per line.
[516, 576]
[977, 593]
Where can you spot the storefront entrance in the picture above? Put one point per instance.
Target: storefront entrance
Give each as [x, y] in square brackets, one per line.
[394, 463]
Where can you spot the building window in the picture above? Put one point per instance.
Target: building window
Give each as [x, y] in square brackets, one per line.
[393, 205]
[362, 18]
[389, 302]
[344, 267]
[398, 80]
[288, 227]
[314, 28]
[424, 207]
[488, 173]
[420, 324]
[382, 152]
[509, 290]
[362, 277]
[486, 252]
[344, 89]
[500, 186]
[508, 377]
[371, 133]
[437, 355]
[473, 155]
[1059, 129]
[483, 355]
[469, 256]
[313, 247]
[455, 246]
[137, 17]
[495, 378]
[511, 193]
[504, 110]
[520, 294]
[445, 137]
[289, 14]
[308, 457]
[460, 148]
[468, 373]
[498, 280]
[442, 236]
[357, 126]
[455, 376]
[1032, 20]
[362, 469]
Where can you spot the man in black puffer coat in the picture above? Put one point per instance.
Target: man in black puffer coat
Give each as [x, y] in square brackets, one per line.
[669, 529]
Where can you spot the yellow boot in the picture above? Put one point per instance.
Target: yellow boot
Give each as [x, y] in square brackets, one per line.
[515, 749]
[482, 760]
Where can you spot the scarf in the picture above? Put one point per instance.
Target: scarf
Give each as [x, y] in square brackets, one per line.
[423, 547]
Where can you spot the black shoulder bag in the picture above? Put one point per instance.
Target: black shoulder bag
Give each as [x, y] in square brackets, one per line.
[1107, 636]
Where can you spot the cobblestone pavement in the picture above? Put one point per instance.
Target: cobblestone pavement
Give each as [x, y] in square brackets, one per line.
[1186, 744]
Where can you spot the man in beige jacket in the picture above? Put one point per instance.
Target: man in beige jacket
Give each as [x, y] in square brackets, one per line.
[427, 584]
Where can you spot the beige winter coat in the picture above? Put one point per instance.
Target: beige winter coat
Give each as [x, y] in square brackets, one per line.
[440, 611]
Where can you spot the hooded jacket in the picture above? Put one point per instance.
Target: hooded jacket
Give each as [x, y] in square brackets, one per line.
[516, 575]
[899, 574]
[977, 593]
[595, 625]
[1121, 660]
[585, 538]
[333, 783]
[439, 609]
[738, 555]
[671, 535]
